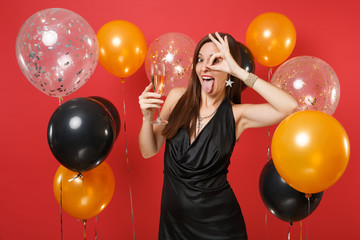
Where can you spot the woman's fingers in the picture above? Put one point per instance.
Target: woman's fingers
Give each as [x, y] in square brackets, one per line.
[147, 103]
[150, 102]
[226, 41]
[148, 88]
[212, 59]
[148, 99]
[220, 39]
[215, 41]
[228, 64]
[146, 95]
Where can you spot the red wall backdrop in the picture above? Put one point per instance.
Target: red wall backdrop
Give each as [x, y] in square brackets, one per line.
[325, 29]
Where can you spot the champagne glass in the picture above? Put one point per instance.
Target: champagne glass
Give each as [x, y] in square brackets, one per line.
[158, 81]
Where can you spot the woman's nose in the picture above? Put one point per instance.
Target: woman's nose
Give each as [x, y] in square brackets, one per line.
[205, 66]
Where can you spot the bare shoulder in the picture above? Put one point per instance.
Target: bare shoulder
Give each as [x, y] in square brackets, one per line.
[175, 94]
[240, 121]
[179, 91]
[172, 98]
[238, 110]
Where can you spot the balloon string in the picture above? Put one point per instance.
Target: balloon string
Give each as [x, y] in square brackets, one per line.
[266, 224]
[269, 142]
[61, 216]
[60, 100]
[77, 176]
[269, 132]
[124, 105]
[308, 198]
[84, 221]
[132, 211]
[307, 224]
[95, 228]
[268, 147]
[270, 74]
[290, 224]
[301, 229]
[127, 161]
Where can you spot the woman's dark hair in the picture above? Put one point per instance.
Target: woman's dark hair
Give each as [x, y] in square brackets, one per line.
[186, 111]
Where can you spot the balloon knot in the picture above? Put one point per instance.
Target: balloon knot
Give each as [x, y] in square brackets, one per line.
[77, 176]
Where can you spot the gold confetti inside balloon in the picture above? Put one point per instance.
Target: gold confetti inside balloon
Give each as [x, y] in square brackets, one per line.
[176, 51]
[311, 81]
[57, 51]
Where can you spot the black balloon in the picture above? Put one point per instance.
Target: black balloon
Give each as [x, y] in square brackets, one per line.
[247, 61]
[113, 111]
[283, 201]
[80, 134]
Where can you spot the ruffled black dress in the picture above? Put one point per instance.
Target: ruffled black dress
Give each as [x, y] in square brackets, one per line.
[197, 201]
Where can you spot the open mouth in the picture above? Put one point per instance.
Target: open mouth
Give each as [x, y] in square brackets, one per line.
[207, 78]
[208, 83]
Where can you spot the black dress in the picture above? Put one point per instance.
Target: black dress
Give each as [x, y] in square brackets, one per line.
[197, 201]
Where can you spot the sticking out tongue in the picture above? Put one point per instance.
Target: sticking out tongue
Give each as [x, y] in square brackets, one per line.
[208, 85]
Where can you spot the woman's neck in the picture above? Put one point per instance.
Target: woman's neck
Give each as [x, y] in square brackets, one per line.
[209, 102]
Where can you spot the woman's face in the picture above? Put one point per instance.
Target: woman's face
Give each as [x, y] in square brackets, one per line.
[212, 82]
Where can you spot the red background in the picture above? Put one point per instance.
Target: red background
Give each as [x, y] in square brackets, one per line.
[28, 210]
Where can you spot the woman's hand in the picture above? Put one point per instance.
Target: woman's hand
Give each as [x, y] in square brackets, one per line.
[225, 62]
[148, 102]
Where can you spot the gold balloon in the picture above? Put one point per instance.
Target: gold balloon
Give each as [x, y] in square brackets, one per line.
[271, 38]
[310, 150]
[122, 48]
[84, 196]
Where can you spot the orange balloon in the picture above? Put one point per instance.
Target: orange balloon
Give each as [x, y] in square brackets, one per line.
[271, 38]
[84, 197]
[122, 48]
[310, 150]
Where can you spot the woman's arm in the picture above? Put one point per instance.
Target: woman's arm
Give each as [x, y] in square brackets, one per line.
[150, 137]
[279, 103]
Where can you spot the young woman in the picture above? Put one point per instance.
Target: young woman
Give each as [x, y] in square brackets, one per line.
[205, 120]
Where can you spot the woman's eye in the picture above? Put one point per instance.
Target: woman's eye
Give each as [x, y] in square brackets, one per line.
[216, 60]
[199, 60]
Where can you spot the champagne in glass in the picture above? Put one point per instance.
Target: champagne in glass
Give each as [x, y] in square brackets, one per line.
[158, 81]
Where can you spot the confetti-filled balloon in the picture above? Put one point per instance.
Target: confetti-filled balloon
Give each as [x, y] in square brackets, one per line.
[57, 51]
[311, 81]
[176, 51]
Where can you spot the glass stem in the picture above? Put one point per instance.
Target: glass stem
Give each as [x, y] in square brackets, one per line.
[158, 114]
